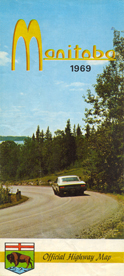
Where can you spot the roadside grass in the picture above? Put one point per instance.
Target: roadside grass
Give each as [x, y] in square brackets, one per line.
[48, 179]
[118, 226]
[112, 228]
[14, 201]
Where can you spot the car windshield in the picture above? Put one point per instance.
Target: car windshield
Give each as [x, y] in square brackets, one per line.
[68, 179]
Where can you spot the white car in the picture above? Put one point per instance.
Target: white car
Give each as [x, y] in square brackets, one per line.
[70, 184]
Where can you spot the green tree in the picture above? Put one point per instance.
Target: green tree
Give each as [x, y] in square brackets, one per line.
[74, 130]
[30, 160]
[48, 135]
[41, 136]
[87, 135]
[47, 165]
[107, 117]
[33, 137]
[9, 159]
[38, 133]
[70, 147]
[59, 151]
[78, 130]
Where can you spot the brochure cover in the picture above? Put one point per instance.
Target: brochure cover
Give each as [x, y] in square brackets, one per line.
[61, 137]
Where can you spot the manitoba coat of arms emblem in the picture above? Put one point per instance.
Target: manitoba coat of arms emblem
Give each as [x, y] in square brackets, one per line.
[19, 257]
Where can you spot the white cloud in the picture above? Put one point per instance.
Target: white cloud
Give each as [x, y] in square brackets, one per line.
[72, 84]
[4, 59]
[75, 84]
[97, 62]
[77, 89]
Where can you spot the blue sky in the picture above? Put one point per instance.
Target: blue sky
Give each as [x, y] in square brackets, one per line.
[54, 95]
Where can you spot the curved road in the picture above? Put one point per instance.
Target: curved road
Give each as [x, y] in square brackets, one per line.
[45, 215]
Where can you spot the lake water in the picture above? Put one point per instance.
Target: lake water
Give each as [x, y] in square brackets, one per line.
[17, 142]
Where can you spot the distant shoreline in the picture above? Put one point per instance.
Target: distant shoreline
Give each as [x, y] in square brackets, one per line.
[12, 138]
